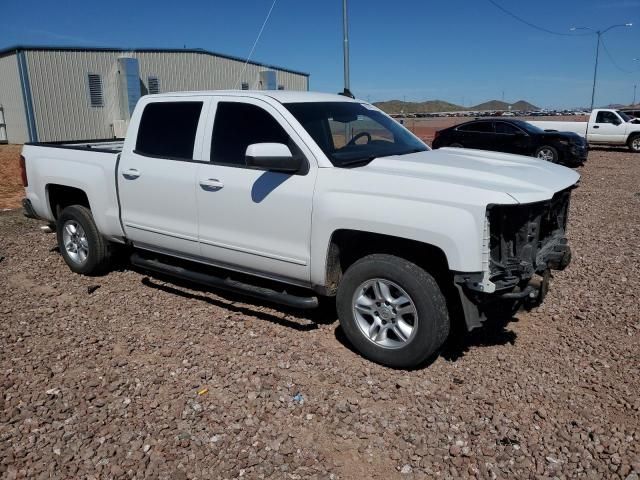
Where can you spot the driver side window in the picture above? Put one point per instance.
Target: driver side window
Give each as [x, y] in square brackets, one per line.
[607, 117]
[363, 129]
[238, 125]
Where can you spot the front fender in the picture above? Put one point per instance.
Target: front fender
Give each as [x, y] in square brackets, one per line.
[456, 230]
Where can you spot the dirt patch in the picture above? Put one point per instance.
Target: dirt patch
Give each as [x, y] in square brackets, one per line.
[11, 189]
[147, 378]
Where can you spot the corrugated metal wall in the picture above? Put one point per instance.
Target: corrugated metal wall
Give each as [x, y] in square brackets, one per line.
[60, 91]
[11, 100]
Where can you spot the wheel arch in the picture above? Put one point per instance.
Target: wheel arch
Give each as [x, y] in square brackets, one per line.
[61, 196]
[346, 246]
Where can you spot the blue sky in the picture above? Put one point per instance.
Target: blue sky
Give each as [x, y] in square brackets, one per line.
[459, 50]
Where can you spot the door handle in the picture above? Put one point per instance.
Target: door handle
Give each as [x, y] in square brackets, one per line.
[211, 184]
[131, 174]
[596, 126]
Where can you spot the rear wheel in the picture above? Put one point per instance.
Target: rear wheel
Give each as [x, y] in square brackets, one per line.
[392, 311]
[81, 245]
[634, 143]
[547, 153]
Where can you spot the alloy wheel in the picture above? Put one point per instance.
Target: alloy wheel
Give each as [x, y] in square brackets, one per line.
[385, 313]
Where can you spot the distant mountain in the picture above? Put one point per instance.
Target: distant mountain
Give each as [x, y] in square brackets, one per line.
[524, 106]
[504, 106]
[398, 106]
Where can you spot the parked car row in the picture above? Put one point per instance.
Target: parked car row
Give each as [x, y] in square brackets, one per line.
[492, 113]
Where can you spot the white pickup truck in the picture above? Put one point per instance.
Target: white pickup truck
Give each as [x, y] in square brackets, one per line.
[287, 196]
[604, 127]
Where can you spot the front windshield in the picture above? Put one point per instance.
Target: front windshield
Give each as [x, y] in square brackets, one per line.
[351, 133]
[624, 116]
[530, 128]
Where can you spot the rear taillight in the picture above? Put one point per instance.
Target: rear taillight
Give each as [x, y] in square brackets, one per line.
[23, 172]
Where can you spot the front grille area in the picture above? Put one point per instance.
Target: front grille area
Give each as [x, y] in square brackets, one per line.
[527, 239]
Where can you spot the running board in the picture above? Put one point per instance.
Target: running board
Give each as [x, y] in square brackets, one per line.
[227, 284]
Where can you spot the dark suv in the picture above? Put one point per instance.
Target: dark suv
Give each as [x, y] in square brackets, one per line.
[515, 136]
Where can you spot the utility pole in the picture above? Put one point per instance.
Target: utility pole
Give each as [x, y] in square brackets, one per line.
[599, 34]
[595, 70]
[634, 94]
[345, 36]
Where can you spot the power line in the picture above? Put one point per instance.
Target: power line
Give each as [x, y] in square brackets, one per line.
[244, 67]
[615, 64]
[533, 25]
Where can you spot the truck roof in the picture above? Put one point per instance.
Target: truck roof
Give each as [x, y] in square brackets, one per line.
[282, 96]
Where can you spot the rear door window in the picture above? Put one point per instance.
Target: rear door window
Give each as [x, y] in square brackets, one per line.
[238, 125]
[507, 128]
[480, 127]
[168, 130]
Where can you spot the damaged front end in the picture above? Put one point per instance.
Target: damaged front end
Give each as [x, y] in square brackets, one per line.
[522, 243]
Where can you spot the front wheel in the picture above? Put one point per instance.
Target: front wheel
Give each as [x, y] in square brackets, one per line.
[392, 311]
[81, 245]
[634, 143]
[548, 154]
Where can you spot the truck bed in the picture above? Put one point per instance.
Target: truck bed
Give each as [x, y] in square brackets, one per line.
[83, 166]
[576, 127]
[107, 146]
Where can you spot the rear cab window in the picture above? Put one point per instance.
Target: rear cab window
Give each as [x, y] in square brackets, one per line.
[168, 129]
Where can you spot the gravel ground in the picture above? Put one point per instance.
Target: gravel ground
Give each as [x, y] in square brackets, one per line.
[11, 189]
[131, 376]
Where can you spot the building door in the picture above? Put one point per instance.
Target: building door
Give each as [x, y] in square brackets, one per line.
[3, 127]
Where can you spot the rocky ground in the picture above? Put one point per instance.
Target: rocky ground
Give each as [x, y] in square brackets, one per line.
[127, 376]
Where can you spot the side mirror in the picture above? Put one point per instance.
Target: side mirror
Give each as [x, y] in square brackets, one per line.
[617, 122]
[274, 157]
[520, 133]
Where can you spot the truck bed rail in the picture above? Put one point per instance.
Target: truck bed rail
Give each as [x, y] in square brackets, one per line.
[107, 146]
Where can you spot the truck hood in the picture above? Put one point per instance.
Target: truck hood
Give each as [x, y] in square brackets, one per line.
[525, 179]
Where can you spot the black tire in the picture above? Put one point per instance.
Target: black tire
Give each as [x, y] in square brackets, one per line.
[98, 255]
[431, 324]
[456, 145]
[634, 143]
[553, 156]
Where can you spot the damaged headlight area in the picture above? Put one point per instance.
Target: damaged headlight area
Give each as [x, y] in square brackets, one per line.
[522, 244]
[527, 239]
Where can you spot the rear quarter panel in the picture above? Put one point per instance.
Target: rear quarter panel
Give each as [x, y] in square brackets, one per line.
[91, 172]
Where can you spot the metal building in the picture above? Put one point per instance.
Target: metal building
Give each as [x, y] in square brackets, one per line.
[65, 93]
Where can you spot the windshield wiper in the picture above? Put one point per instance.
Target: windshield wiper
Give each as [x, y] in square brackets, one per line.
[363, 161]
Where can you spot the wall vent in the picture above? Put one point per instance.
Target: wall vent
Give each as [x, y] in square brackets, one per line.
[154, 85]
[95, 90]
